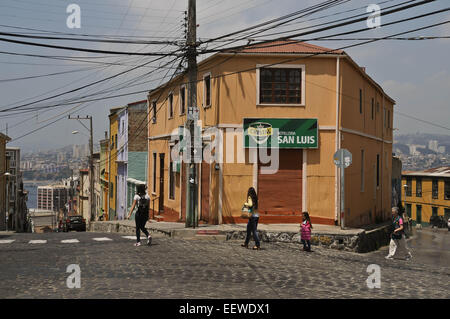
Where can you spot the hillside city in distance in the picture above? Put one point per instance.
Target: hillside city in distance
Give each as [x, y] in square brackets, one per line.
[416, 151]
[422, 151]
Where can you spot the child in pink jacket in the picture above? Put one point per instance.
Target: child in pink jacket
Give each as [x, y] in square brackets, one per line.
[305, 228]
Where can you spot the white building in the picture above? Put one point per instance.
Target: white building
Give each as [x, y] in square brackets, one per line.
[52, 197]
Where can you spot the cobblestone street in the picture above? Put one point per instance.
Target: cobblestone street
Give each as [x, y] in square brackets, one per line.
[177, 268]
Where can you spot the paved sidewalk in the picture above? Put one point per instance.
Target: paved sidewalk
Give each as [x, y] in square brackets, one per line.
[178, 228]
[356, 240]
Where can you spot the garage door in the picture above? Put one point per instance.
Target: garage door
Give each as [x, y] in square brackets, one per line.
[281, 193]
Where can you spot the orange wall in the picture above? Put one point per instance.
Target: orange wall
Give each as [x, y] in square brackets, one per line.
[234, 98]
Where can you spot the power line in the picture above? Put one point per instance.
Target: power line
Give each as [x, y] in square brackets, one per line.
[84, 49]
[47, 75]
[383, 13]
[252, 37]
[423, 121]
[106, 36]
[80, 88]
[22, 35]
[274, 20]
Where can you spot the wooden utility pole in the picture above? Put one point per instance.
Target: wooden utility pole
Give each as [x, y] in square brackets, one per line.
[91, 164]
[191, 196]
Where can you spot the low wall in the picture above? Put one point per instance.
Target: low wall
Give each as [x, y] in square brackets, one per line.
[364, 241]
[361, 242]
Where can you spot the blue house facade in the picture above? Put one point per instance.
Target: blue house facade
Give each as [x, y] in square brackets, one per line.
[132, 154]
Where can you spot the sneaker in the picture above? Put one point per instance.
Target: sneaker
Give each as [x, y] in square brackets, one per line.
[389, 257]
[149, 240]
[137, 244]
[408, 257]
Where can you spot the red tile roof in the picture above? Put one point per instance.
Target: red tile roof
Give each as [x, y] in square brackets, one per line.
[288, 46]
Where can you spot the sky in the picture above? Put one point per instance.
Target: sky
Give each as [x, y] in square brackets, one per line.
[416, 74]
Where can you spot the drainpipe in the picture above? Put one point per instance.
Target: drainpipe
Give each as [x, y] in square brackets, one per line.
[337, 144]
[382, 155]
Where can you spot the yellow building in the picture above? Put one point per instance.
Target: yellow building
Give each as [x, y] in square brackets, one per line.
[104, 175]
[426, 193]
[112, 164]
[314, 100]
[3, 169]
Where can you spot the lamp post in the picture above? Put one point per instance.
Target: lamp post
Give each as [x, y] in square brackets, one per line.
[91, 162]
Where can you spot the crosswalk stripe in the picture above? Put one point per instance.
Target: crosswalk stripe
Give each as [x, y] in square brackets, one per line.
[68, 241]
[6, 241]
[37, 241]
[102, 239]
[129, 237]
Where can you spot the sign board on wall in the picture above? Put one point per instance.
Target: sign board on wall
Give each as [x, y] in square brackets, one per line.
[280, 133]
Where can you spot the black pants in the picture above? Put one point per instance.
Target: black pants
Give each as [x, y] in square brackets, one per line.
[306, 244]
[141, 220]
[252, 228]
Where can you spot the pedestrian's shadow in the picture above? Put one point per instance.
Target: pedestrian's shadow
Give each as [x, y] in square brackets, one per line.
[4, 236]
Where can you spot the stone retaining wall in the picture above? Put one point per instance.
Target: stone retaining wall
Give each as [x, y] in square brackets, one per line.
[363, 242]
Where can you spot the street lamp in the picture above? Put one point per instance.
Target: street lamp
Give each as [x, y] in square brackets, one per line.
[76, 132]
[91, 160]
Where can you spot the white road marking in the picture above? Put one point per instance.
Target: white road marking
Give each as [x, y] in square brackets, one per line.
[102, 239]
[6, 241]
[129, 237]
[68, 241]
[37, 241]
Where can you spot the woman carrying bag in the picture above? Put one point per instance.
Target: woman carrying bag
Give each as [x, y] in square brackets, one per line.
[251, 212]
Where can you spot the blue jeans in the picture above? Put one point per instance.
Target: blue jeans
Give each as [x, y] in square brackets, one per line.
[252, 228]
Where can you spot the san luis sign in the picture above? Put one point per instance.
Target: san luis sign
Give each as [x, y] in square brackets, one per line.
[280, 133]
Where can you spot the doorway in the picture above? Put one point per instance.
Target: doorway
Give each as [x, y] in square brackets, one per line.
[419, 214]
[205, 182]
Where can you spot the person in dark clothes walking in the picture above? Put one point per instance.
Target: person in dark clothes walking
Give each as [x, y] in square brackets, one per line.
[252, 225]
[142, 201]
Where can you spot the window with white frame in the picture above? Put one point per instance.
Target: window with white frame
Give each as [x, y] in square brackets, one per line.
[281, 84]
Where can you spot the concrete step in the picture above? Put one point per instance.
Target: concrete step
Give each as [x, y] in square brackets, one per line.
[209, 237]
[197, 233]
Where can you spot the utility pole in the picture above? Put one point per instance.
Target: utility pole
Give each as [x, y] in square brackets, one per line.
[91, 163]
[72, 184]
[191, 197]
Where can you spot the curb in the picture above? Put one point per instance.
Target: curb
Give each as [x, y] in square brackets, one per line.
[361, 242]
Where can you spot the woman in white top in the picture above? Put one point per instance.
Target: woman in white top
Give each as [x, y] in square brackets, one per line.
[252, 225]
[142, 200]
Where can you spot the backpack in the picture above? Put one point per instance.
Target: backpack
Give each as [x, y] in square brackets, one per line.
[143, 204]
[396, 224]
